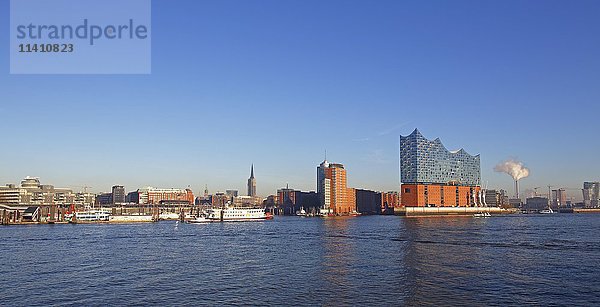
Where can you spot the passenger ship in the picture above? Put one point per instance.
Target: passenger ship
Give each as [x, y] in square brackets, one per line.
[91, 216]
[232, 214]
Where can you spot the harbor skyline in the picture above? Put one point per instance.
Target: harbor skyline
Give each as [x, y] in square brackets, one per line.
[276, 84]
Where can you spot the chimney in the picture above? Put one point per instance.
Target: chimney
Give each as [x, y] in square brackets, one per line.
[517, 188]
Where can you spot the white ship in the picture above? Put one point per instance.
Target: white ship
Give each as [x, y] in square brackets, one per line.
[301, 212]
[482, 214]
[91, 216]
[168, 216]
[232, 214]
[198, 219]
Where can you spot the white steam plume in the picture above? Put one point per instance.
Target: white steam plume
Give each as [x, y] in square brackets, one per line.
[514, 168]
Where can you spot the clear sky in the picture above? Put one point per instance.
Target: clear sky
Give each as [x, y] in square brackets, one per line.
[276, 83]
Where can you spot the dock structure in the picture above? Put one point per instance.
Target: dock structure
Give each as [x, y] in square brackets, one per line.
[586, 210]
[450, 211]
[11, 215]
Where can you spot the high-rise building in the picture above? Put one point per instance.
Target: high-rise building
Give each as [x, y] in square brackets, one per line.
[324, 188]
[429, 162]
[252, 183]
[118, 194]
[591, 194]
[559, 198]
[431, 175]
[333, 191]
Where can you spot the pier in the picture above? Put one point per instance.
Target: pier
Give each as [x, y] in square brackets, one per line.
[450, 211]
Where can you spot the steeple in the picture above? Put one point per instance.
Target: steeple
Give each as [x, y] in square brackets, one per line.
[252, 183]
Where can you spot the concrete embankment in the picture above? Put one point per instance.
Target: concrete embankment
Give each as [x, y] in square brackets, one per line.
[587, 210]
[130, 218]
[450, 211]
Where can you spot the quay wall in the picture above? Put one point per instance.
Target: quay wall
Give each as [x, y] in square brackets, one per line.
[587, 210]
[454, 211]
[130, 218]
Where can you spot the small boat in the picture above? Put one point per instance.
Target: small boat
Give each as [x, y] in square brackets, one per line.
[302, 212]
[482, 214]
[168, 216]
[200, 219]
[325, 213]
[547, 211]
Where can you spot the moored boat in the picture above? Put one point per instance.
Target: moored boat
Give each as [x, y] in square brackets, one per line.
[198, 220]
[233, 214]
[301, 212]
[90, 216]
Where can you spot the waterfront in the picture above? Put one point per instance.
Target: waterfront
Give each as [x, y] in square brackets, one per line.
[370, 260]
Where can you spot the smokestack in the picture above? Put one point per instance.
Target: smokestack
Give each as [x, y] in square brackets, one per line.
[515, 169]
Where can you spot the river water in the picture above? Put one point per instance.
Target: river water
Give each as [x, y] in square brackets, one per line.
[367, 261]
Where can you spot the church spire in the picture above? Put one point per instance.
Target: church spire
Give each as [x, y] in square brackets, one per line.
[252, 183]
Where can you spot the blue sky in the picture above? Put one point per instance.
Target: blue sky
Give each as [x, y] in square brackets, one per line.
[275, 83]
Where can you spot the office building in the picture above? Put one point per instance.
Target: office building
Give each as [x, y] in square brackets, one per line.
[390, 200]
[118, 194]
[535, 204]
[368, 202]
[133, 197]
[155, 196]
[290, 201]
[559, 198]
[286, 200]
[335, 198]
[104, 199]
[591, 194]
[32, 192]
[495, 198]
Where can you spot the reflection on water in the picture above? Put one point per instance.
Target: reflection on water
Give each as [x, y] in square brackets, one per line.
[337, 259]
[371, 260]
[429, 243]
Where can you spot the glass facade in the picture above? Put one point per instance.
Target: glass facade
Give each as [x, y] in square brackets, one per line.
[429, 162]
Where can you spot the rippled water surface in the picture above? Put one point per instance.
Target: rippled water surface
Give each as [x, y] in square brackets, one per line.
[371, 260]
